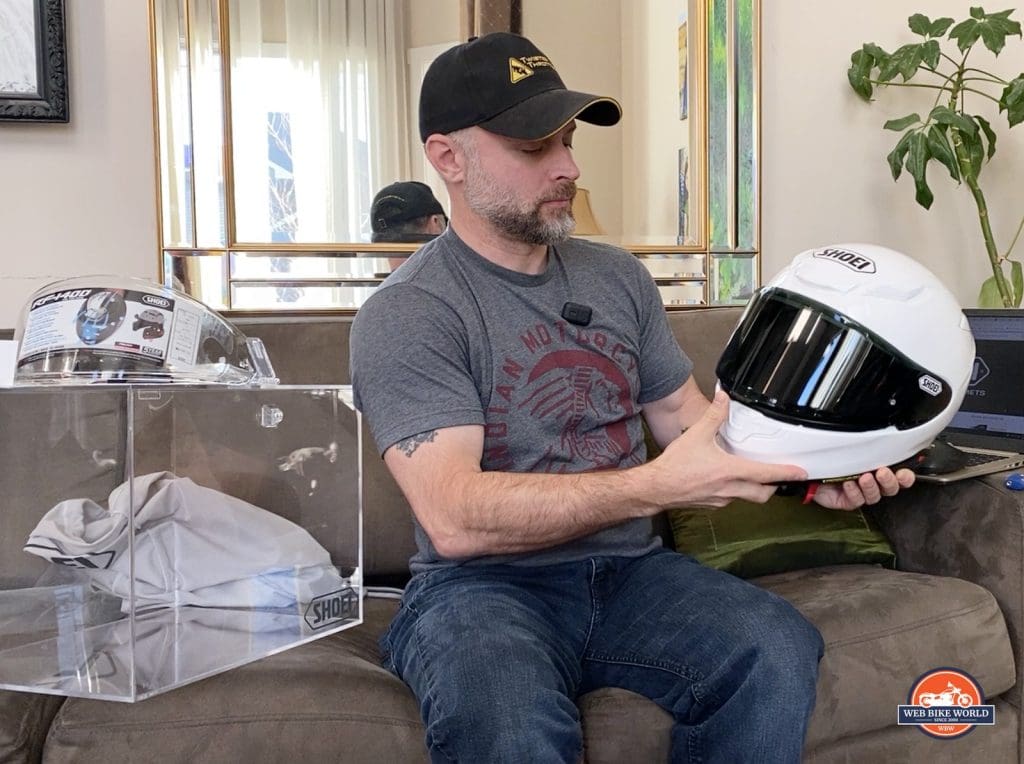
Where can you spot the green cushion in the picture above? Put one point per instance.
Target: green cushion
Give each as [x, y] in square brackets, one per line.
[749, 540]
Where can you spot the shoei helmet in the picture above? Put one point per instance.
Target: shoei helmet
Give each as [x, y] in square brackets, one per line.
[852, 358]
[117, 329]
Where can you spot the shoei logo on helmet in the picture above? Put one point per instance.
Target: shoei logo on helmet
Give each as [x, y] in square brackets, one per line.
[851, 260]
[152, 299]
[930, 385]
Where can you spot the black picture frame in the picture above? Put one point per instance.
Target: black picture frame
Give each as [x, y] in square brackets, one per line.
[49, 101]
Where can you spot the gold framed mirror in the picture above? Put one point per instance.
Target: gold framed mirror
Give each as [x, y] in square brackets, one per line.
[278, 120]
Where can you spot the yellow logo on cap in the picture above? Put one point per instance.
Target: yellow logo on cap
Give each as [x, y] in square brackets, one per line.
[521, 68]
[517, 70]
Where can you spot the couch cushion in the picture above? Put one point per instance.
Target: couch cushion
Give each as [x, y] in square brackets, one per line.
[703, 333]
[24, 719]
[328, 700]
[611, 718]
[883, 629]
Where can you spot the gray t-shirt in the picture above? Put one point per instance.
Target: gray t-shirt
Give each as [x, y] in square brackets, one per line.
[453, 339]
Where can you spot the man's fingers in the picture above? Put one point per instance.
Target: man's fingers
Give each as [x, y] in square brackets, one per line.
[714, 416]
[905, 478]
[870, 489]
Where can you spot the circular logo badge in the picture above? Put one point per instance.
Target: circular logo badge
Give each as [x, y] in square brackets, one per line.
[950, 695]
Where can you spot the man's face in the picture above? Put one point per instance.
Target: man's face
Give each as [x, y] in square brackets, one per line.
[522, 188]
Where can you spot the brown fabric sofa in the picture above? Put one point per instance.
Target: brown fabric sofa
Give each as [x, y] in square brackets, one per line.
[957, 599]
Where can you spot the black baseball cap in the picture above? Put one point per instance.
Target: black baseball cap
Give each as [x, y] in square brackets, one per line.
[504, 84]
[399, 203]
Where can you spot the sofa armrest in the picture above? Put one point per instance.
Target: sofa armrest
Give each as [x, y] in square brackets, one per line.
[973, 530]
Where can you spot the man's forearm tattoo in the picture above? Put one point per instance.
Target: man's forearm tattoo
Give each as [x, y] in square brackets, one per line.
[409, 445]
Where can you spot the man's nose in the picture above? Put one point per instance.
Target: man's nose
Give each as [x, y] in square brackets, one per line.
[566, 167]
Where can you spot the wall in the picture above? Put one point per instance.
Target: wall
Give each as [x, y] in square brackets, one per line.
[824, 171]
[79, 198]
[429, 22]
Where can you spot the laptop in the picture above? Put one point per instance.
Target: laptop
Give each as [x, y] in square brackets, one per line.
[989, 426]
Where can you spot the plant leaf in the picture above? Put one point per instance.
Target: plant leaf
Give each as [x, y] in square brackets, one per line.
[903, 122]
[875, 51]
[1017, 279]
[992, 28]
[859, 73]
[938, 145]
[902, 61]
[994, 32]
[946, 116]
[975, 152]
[930, 53]
[989, 296]
[906, 59]
[896, 156]
[920, 24]
[917, 162]
[1012, 100]
[939, 26]
[966, 33]
[990, 135]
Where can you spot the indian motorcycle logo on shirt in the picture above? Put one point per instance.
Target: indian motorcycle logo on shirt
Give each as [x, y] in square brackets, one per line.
[570, 380]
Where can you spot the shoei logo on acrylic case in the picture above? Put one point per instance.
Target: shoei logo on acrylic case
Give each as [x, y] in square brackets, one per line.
[333, 608]
[946, 703]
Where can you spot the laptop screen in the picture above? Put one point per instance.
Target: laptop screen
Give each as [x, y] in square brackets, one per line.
[993, 409]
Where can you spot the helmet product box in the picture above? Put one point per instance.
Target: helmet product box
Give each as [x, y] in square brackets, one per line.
[852, 358]
[118, 329]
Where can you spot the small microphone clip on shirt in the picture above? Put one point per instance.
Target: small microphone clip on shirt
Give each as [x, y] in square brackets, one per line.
[577, 314]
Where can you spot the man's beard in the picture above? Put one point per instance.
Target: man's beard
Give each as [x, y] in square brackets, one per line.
[521, 221]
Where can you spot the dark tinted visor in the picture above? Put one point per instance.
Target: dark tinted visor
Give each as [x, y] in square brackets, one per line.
[799, 361]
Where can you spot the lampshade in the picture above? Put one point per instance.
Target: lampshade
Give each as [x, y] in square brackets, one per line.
[586, 223]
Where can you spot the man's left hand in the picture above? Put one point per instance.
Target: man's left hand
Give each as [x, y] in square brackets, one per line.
[869, 488]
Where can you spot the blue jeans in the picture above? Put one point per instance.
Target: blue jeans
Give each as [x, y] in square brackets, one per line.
[497, 656]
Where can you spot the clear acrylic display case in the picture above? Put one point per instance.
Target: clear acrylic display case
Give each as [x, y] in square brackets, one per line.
[151, 536]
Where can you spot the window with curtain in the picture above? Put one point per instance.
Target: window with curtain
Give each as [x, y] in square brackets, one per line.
[317, 116]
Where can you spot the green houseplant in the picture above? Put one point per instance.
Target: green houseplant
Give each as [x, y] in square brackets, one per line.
[950, 134]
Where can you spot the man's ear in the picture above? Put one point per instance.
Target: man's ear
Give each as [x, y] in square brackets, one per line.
[442, 154]
[437, 224]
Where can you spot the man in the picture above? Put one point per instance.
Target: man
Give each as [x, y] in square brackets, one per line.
[504, 372]
[406, 212]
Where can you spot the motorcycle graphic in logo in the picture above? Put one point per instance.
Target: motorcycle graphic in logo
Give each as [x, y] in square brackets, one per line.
[946, 703]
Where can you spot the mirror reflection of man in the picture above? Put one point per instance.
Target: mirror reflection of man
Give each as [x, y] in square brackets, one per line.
[406, 212]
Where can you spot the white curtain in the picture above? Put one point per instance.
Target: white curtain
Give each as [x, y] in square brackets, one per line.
[319, 116]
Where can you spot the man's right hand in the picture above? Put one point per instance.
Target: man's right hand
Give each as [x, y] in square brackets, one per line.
[694, 470]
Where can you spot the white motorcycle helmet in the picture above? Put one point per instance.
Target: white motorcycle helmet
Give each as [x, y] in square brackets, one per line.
[852, 358]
